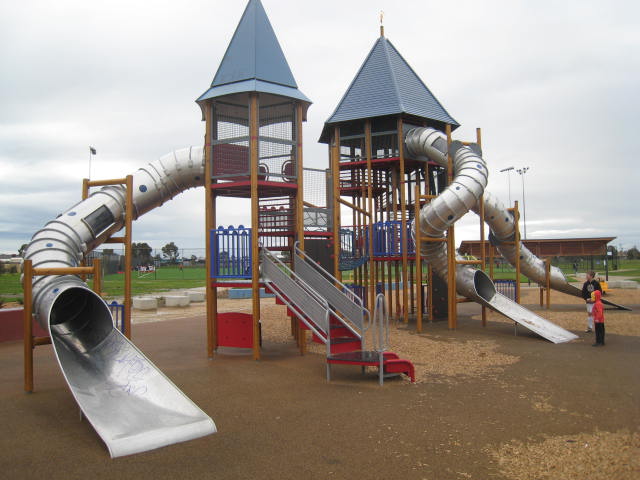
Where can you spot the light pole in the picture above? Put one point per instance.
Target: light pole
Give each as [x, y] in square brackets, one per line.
[508, 170]
[521, 172]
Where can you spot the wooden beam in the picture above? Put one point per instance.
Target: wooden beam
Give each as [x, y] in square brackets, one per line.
[300, 171]
[27, 282]
[418, 263]
[97, 276]
[334, 156]
[210, 219]
[451, 249]
[104, 183]
[372, 269]
[353, 207]
[255, 251]
[403, 225]
[128, 255]
[115, 240]
[516, 216]
[62, 271]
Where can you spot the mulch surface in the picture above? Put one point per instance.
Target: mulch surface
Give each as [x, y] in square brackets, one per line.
[487, 404]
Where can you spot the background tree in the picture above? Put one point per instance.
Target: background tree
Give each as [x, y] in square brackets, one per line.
[633, 253]
[170, 251]
[142, 253]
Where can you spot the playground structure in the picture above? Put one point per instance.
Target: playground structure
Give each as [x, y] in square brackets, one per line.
[388, 155]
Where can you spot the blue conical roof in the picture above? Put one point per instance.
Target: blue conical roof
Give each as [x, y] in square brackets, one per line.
[387, 85]
[254, 61]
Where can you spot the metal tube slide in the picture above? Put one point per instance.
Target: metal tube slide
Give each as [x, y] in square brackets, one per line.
[502, 235]
[129, 402]
[462, 195]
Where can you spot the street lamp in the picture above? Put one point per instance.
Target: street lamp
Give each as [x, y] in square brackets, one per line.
[508, 170]
[521, 172]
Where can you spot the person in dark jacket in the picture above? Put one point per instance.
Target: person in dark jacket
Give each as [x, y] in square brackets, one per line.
[590, 286]
[598, 317]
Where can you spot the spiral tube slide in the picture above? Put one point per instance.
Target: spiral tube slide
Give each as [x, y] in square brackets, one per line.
[129, 402]
[464, 194]
[502, 236]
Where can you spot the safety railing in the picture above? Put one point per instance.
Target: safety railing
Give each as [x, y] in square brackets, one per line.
[380, 332]
[506, 288]
[308, 305]
[339, 296]
[300, 298]
[117, 312]
[231, 252]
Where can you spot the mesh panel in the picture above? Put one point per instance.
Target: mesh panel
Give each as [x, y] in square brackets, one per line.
[315, 187]
[352, 149]
[384, 146]
[231, 142]
[277, 162]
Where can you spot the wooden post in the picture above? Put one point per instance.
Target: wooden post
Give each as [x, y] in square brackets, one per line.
[210, 224]
[403, 220]
[255, 251]
[334, 155]
[451, 250]
[369, 208]
[491, 260]
[300, 175]
[516, 216]
[547, 274]
[85, 188]
[128, 215]
[482, 233]
[27, 281]
[418, 241]
[97, 276]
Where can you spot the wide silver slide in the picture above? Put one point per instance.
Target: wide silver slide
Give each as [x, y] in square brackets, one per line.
[127, 399]
[464, 194]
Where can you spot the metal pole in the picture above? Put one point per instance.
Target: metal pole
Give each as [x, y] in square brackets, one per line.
[508, 170]
[522, 171]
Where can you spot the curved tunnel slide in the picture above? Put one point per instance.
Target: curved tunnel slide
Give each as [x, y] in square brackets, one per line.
[127, 399]
[462, 195]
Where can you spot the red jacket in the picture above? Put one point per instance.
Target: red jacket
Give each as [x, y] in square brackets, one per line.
[598, 307]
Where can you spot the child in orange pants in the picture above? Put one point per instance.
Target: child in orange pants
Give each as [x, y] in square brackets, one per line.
[598, 317]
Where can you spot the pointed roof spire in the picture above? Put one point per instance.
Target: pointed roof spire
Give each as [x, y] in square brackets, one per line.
[254, 60]
[387, 85]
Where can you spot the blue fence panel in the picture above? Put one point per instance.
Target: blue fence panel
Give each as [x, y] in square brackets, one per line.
[117, 312]
[388, 238]
[231, 252]
[506, 288]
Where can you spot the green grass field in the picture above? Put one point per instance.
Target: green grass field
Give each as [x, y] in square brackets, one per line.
[165, 278]
[172, 278]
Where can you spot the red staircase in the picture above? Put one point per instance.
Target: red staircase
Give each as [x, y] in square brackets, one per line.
[344, 342]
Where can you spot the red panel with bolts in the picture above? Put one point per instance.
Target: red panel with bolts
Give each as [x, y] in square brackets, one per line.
[235, 330]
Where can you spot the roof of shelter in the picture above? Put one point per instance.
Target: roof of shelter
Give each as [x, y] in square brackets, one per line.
[553, 247]
[254, 61]
[387, 85]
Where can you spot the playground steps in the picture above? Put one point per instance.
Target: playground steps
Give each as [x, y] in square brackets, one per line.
[392, 365]
[335, 318]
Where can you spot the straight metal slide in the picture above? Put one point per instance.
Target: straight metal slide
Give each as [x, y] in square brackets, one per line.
[464, 194]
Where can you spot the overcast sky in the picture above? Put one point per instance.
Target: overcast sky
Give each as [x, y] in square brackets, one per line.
[553, 85]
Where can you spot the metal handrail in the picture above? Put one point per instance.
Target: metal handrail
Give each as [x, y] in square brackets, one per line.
[269, 256]
[300, 314]
[297, 278]
[345, 289]
[380, 331]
